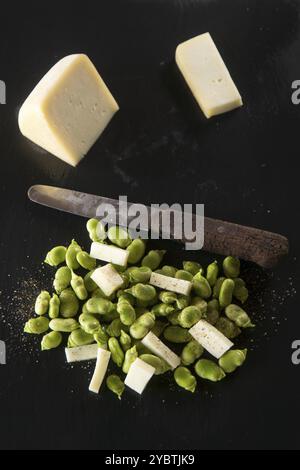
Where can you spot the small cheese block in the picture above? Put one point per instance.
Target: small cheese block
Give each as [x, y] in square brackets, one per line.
[180, 286]
[109, 253]
[210, 338]
[68, 109]
[207, 76]
[108, 279]
[103, 358]
[81, 353]
[139, 375]
[155, 345]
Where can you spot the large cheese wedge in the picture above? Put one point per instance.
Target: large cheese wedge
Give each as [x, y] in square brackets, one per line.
[68, 109]
[207, 76]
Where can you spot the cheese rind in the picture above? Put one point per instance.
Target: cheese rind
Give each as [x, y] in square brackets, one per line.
[109, 253]
[103, 358]
[68, 109]
[207, 76]
[180, 286]
[81, 353]
[210, 338]
[108, 279]
[139, 375]
[155, 345]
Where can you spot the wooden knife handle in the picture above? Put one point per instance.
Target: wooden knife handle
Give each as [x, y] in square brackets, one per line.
[248, 243]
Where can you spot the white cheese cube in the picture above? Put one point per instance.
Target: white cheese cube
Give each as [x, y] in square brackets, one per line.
[109, 253]
[139, 375]
[180, 286]
[68, 109]
[154, 344]
[107, 278]
[207, 76]
[103, 357]
[210, 338]
[81, 353]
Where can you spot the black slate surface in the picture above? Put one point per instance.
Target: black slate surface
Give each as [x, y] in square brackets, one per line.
[158, 148]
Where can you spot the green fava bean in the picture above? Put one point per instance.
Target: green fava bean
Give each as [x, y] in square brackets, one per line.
[153, 259]
[89, 323]
[200, 304]
[184, 275]
[168, 271]
[62, 279]
[167, 297]
[117, 353]
[191, 352]
[182, 302]
[162, 310]
[173, 318]
[114, 328]
[126, 312]
[54, 306]
[142, 275]
[177, 334]
[109, 317]
[209, 370]
[125, 340]
[42, 303]
[51, 341]
[192, 267]
[99, 305]
[79, 337]
[85, 260]
[142, 292]
[96, 230]
[115, 385]
[212, 313]
[130, 356]
[159, 364]
[227, 327]
[185, 379]
[189, 316]
[142, 325]
[101, 339]
[121, 295]
[226, 292]
[56, 256]
[78, 286]
[232, 359]
[238, 316]
[71, 255]
[69, 304]
[136, 251]
[90, 285]
[240, 291]
[64, 325]
[201, 286]
[37, 325]
[217, 287]
[212, 273]
[158, 328]
[119, 236]
[231, 267]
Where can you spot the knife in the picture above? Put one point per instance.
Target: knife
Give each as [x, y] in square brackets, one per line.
[223, 238]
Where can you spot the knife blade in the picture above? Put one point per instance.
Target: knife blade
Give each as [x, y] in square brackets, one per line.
[225, 238]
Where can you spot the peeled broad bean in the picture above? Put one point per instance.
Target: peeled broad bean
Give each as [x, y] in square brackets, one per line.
[130, 356]
[56, 256]
[192, 267]
[240, 291]
[114, 328]
[238, 316]
[185, 379]
[101, 338]
[200, 304]
[37, 325]
[115, 385]
[189, 316]
[201, 286]
[51, 341]
[119, 236]
[142, 325]
[162, 310]
[85, 260]
[217, 287]
[121, 295]
[96, 230]
[54, 306]
[209, 370]
[231, 267]
[232, 359]
[185, 275]
[177, 334]
[191, 352]
[141, 274]
[153, 259]
[125, 340]
[78, 286]
[126, 311]
[227, 327]
[212, 273]
[62, 279]
[69, 304]
[89, 323]
[173, 318]
[99, 305]
[117, 353]
[212, 312]
[159, 364]
[182, 302]
[42, 303]
[90, 285]
[109, 317]
[142, 292]
[64, 325]
[167, 297]
[226, 292]
[158, 328]
[71, 255]
[167, 270]
[79, 337]
[136, 251]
